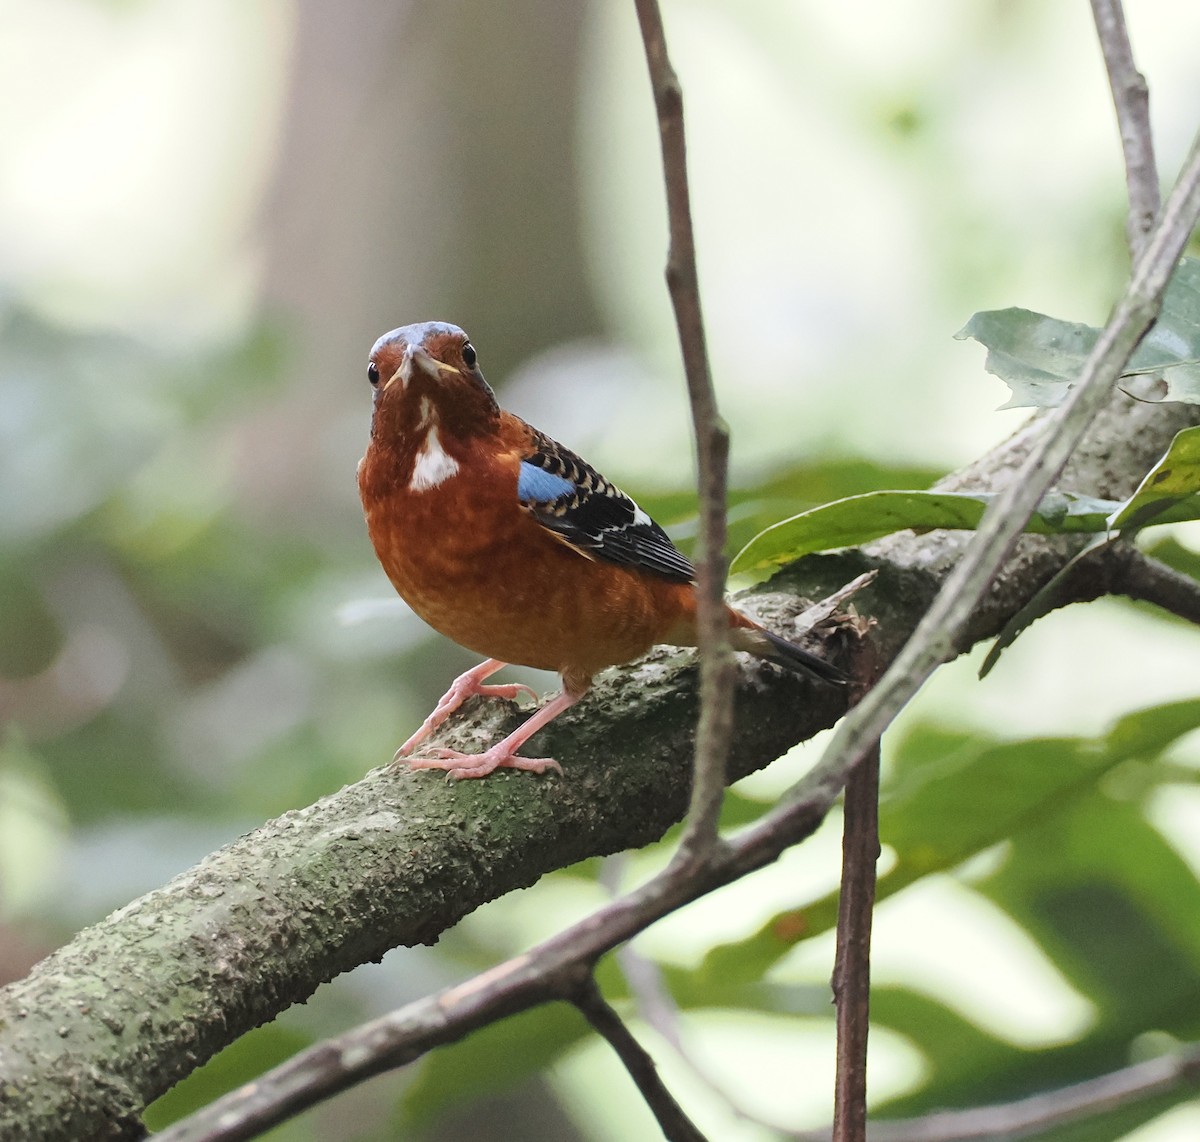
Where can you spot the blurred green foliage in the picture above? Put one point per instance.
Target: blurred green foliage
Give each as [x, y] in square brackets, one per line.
[193, 632]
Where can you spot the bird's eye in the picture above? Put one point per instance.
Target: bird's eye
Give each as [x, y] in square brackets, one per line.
[468, 355]
[373, 373]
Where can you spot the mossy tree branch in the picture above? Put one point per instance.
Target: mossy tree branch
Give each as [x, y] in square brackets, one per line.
[112, 1020]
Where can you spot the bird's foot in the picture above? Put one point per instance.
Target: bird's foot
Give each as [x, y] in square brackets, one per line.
[465, 686]
[463, 765]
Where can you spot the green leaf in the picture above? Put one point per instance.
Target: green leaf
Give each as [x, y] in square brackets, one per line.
[1146, 733]
[1048, 597]
[965, 1062]
[953, 795]
[1040, 357]
[1115, 907]
[1178, 556]
[242, 1061]
[761, 502]
[859, 519]
[1170, 492]
[968, 1068]
[495, 1058]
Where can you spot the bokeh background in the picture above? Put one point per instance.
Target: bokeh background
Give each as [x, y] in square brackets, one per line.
[209, 209]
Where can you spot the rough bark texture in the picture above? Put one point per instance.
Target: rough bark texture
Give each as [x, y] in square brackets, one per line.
[111, 1021]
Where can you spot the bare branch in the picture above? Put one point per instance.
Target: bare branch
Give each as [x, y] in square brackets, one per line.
[657, 1007]
[1139, 576]
[1131, 97]
[676, 1126]
[1041, 1112]
[1117, 567]
[715, 729]
[1104, 567]
[852, 965]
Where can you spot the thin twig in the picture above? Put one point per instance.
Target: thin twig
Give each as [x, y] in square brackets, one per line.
[1104, 567]
[675, 1124]
[1116, 567]
[852, 964]
[657, 1008]
[715, 729]
[1025, 1117]
[1041, 1112]
[1139, 576]
[1131, 97]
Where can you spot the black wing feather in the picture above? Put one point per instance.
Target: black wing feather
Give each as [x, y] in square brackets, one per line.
[598, 519]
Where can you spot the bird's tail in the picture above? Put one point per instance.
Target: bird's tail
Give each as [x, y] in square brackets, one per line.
[761, 642]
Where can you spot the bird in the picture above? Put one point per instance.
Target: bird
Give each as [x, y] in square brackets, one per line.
[515, 547]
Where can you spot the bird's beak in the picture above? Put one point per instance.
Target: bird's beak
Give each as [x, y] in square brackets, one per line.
[417, 356]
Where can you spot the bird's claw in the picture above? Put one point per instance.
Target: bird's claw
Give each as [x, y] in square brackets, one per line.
[509, 690]
[463, 688]
[460, 765]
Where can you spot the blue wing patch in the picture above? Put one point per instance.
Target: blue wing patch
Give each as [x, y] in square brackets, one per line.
[535, 485]
[567, 496]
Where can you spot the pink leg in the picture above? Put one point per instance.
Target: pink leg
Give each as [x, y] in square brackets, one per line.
[463, 687]
[503, 753]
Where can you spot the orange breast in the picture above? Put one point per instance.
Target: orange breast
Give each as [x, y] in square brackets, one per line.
[469, 560]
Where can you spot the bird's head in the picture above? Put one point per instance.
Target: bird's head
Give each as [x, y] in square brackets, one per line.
[428, 373]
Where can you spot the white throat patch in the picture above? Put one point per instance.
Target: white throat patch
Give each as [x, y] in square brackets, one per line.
[433, 465]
